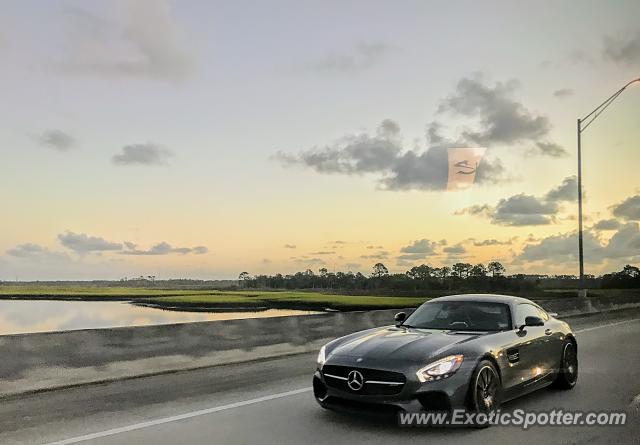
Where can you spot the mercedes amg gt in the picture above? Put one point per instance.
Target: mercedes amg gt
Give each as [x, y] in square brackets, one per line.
[457, 352]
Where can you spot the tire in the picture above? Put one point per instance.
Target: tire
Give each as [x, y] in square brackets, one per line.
[485, 390]
[568, 373]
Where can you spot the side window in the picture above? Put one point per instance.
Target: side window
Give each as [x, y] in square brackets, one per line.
[525, 310]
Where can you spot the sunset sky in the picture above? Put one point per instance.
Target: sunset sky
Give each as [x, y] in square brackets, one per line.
[202, 139]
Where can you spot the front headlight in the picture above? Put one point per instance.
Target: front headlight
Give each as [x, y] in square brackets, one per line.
[441, 369]
[321, 356]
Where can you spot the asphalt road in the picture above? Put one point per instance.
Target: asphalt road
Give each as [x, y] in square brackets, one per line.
[270, 402]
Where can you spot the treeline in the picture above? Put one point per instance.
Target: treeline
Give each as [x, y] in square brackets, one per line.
[461, 276]
[627, 278]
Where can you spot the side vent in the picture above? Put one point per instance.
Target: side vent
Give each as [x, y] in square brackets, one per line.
[513, 355]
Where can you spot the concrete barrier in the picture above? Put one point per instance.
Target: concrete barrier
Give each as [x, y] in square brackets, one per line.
[35, 362]
[580, 306]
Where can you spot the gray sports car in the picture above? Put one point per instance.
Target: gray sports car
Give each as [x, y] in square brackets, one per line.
[462, 351]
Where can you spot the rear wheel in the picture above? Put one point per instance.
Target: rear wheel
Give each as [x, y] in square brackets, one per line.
[568, 374]
[485, 390]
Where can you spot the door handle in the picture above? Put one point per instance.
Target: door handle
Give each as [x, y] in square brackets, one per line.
[548, 332]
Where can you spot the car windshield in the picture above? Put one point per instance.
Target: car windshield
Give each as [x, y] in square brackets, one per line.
[461, 316]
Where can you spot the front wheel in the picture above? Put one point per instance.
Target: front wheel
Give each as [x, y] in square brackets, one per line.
[485, 390]
[568, 373]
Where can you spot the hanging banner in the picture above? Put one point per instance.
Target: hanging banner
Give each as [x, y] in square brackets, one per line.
[463, 163]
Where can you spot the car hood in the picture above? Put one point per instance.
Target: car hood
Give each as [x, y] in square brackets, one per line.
[399, 343]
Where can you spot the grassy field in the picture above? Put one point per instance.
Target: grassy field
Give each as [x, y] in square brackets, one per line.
[211, 298]
[289, 300]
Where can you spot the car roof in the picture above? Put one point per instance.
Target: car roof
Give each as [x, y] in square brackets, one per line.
[484, 298]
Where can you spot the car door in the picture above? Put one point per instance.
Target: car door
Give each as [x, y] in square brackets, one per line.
[551, 347]
[532, 352]
[514, 358]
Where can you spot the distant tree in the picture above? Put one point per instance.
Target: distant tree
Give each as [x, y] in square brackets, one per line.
[421, 272]
[461, 270]
[630, 271]
[478, 271]
[442, 272]
[323, 271]
[380, 270]
[244, 278]
[496, 269]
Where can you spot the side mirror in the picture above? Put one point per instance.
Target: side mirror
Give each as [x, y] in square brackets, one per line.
[533, 321]
[553, 314]
[400, 317]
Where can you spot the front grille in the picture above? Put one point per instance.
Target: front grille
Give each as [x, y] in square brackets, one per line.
[376, 381]
[360, 408]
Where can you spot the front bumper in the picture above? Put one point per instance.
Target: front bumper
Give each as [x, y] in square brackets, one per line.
[438, 395]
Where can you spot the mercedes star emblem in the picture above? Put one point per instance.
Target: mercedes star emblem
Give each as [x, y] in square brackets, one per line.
[355, 380]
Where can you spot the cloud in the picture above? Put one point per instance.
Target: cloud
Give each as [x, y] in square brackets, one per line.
[381, 255]
[625, 243]
[629, 209]
[607, 224]
[457, 249]
[563, 93]
[289, 246]
[56, 139]
[362, 57]
[27, 250]
[374, 247]
[476, 210]
[526, 210]
[623, 50]
[140, 39]
[142, 154]
[517, 210]
[501, 120]
[550, 149]
[164, 248]
[200, 250]
[421, 246]
[491, 242]
[82, 243]
[29, 253]
[561, 247]
[353, 154]
[567, 191]
[417, 250]
[382, 153]
[409, 258]
[308, 261]
[323, 252]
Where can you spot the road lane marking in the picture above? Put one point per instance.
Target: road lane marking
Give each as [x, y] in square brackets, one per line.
[605, 325]
[202, 412]
[216, 409]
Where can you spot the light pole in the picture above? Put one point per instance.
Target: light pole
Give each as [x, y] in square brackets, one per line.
[582, 125]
